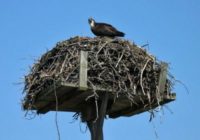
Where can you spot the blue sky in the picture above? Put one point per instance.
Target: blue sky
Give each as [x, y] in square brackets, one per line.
[29, 28]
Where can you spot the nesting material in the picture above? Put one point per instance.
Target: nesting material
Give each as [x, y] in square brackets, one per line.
[116, 66]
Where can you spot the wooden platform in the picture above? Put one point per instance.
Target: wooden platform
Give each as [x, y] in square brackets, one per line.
[72, 97]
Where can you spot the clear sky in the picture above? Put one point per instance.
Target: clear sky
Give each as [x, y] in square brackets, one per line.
[171, 27]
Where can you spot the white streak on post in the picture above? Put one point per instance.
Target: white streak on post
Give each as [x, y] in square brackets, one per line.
[162, 80]
[83, 71]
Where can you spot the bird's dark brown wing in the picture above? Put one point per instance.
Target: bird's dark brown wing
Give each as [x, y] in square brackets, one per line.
[111, 29]
[102, 29]
[104, 24]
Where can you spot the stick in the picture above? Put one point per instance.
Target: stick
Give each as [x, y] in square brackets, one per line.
[141, 83]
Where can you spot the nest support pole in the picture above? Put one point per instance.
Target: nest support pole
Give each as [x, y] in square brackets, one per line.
[93, 115]
[96, 126]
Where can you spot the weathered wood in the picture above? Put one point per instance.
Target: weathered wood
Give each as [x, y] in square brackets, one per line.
[69, 93]
[48, 96]
[102, 114]
[96, 127]
[162, 80]
[74, 101]
[70, 98]
[128, 111]
[83, 71]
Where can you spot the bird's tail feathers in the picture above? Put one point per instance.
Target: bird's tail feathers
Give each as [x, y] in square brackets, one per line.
[120, 34]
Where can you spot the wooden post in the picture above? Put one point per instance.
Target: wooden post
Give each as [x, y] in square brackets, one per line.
[162, 80]
[83, 71]
[96, 128]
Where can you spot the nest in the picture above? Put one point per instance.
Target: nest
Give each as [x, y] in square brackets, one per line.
[117, 65]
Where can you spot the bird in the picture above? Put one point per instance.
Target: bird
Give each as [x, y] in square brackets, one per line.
[104, 29]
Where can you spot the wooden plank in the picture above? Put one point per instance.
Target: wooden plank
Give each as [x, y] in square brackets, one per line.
[137, 109]
[43, 98]
[77, 98]
[162, 80]
[142, 109]
[63, 94]
[46, 99]
[83, 71]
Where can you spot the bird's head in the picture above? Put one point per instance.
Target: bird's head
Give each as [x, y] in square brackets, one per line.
[91, 21]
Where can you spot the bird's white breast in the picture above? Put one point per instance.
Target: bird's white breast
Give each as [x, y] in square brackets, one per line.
[92, 24]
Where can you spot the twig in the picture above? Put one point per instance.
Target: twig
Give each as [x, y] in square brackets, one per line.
[56, 114]
[141, 75]
[97, 110]
[63, 64]
[187, 90]
[155, 131]
[147, 44]
[95, 95]
[94, 91]
[119, 59]
[168, 109]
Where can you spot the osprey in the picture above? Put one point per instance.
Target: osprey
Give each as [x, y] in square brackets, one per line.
[104, 29]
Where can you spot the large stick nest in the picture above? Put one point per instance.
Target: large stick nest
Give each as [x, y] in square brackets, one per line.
[112, 64]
